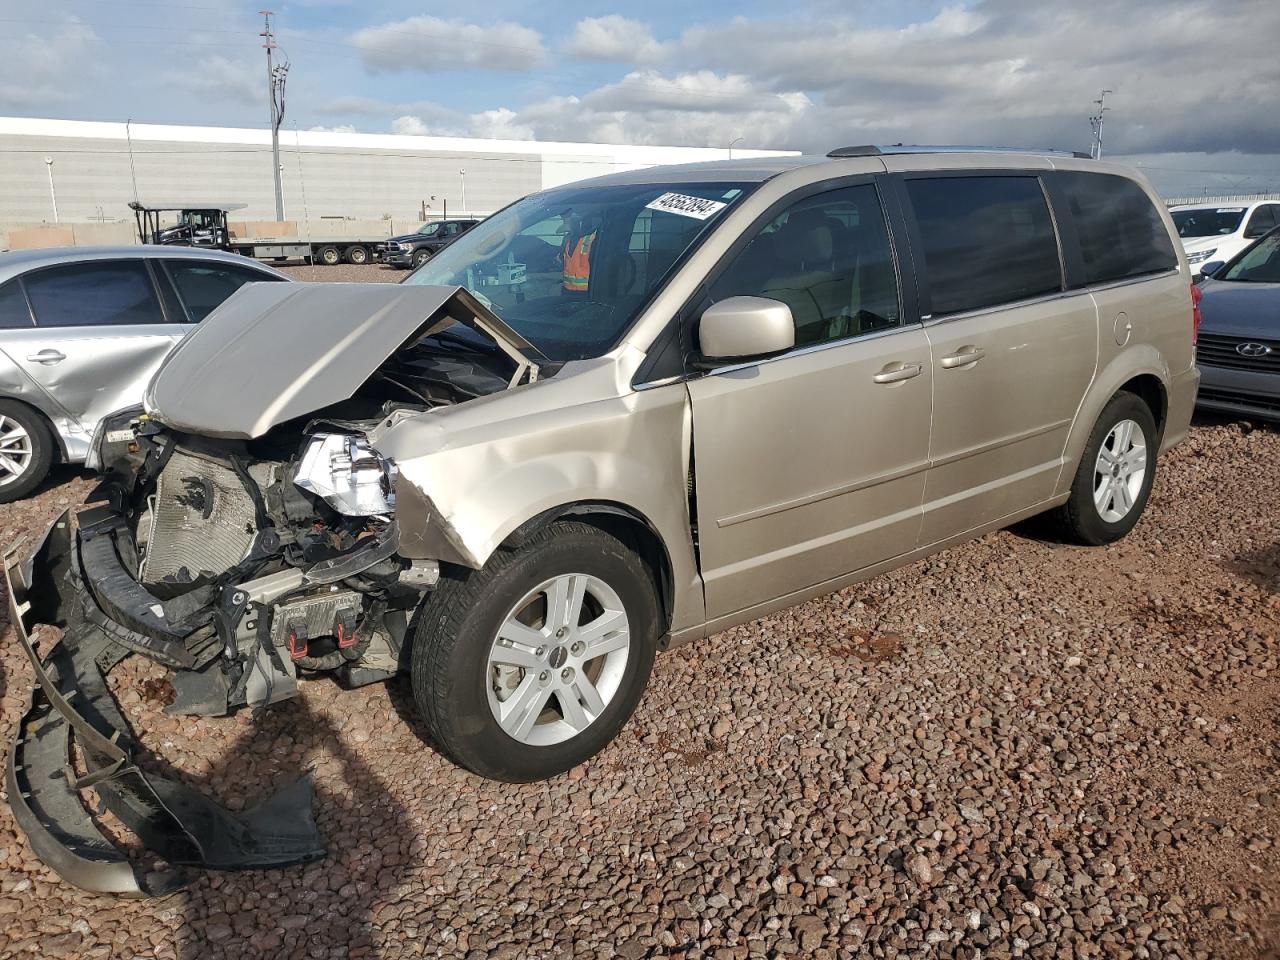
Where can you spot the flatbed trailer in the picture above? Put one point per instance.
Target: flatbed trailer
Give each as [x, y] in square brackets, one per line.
[205, 225]
[328, 251]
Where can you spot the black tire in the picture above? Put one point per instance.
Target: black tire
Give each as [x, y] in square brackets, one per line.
[357, 254]
[1079, 519]
[330, 256]
[420, 257]
[450, 653]
[41, 445]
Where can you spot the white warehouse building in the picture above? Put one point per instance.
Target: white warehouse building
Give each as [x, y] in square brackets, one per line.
[91, 170]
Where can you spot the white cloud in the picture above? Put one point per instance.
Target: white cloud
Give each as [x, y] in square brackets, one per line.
[431, 45]
[217, 76]
[340, 128]
[614, 38]
[500, 124]
[409, 126]
[693, 109]
[40, 69]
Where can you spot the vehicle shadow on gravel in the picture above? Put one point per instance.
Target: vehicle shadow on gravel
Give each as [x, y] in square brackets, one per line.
[1259, 567]
[325, 908]
[400, 694]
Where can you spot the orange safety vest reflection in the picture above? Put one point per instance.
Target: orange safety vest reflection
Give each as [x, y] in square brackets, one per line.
[577, 263]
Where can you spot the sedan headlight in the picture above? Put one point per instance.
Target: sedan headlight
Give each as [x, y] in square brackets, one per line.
[1201, 255]
[348, 474]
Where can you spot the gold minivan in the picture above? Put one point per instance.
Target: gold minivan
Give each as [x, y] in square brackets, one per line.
[613, 418]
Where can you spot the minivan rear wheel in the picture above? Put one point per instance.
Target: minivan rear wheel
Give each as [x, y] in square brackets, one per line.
[26, 450]
[1113, 479]
[532, 664]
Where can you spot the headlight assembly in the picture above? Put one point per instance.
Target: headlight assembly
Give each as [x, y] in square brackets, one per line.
[1201, 255]
[348, 474]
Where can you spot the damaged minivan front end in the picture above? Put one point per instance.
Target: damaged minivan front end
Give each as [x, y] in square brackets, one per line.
[244, 535]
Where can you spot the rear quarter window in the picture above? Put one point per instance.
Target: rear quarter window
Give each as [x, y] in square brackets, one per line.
[1121, 234]
[14, 314]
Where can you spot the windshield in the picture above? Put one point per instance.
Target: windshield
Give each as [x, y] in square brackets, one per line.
[428, 228]
[571, 268]
[1259, 264]
[1207, 221]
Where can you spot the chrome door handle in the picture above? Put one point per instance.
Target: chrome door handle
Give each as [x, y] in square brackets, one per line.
[47, 357]
[963, 357]
[897, 372]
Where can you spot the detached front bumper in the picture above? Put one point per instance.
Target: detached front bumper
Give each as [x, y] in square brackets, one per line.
[71, 702]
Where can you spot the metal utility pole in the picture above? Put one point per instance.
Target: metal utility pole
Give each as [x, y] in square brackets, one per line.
[133, 175]
[1095, 121]
[275, 92]
[53, 194]
[463, 175]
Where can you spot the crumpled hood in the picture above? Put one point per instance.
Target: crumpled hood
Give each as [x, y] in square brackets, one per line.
[273, 352]
[1239, 309]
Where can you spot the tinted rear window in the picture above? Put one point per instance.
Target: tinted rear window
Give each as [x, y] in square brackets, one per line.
[1121, 233]
[102, 293]
[203, 286]
[987, 241]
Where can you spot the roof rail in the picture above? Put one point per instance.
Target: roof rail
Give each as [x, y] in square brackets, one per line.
[871, 150]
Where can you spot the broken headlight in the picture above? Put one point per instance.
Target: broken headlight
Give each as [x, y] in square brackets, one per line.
[348, 474]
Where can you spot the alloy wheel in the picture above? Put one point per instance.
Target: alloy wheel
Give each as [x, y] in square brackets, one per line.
[558, 659]
[15, 450]
[1119, 471]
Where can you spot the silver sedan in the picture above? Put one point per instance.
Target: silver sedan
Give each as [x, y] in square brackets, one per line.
[82, 329]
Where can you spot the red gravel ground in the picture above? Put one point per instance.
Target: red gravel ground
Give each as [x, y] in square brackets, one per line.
[1012, 749]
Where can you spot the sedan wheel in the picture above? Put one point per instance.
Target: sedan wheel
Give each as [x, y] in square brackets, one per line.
[16, 451]
[558, 659]
[26, 450]
[1120, 470]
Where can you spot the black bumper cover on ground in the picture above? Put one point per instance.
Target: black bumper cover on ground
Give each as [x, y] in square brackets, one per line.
[71, 699]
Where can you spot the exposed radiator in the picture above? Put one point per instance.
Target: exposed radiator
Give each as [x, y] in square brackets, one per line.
[202, 519]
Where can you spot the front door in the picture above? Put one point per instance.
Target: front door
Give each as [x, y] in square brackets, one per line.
[810, 465]
[1012, 354]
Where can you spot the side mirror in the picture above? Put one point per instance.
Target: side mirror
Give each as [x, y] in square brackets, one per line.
[1212, 267]
[745, 328]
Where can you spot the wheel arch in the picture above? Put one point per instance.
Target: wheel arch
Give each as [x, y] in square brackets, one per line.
[1150, 390]
[1142, 371]
[625, 523]
[60, 454]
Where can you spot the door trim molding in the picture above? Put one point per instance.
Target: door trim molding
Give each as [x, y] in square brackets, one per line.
[866, 482]
[821, 495]
[1002, 442]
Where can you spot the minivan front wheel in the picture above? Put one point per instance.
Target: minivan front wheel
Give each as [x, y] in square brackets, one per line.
[26, 450]
[532, 664]
[1114, 477]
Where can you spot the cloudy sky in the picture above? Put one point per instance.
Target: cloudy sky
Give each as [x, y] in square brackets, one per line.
[1195, 83]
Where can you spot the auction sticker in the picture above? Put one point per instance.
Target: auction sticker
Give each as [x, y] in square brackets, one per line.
[687, 206]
